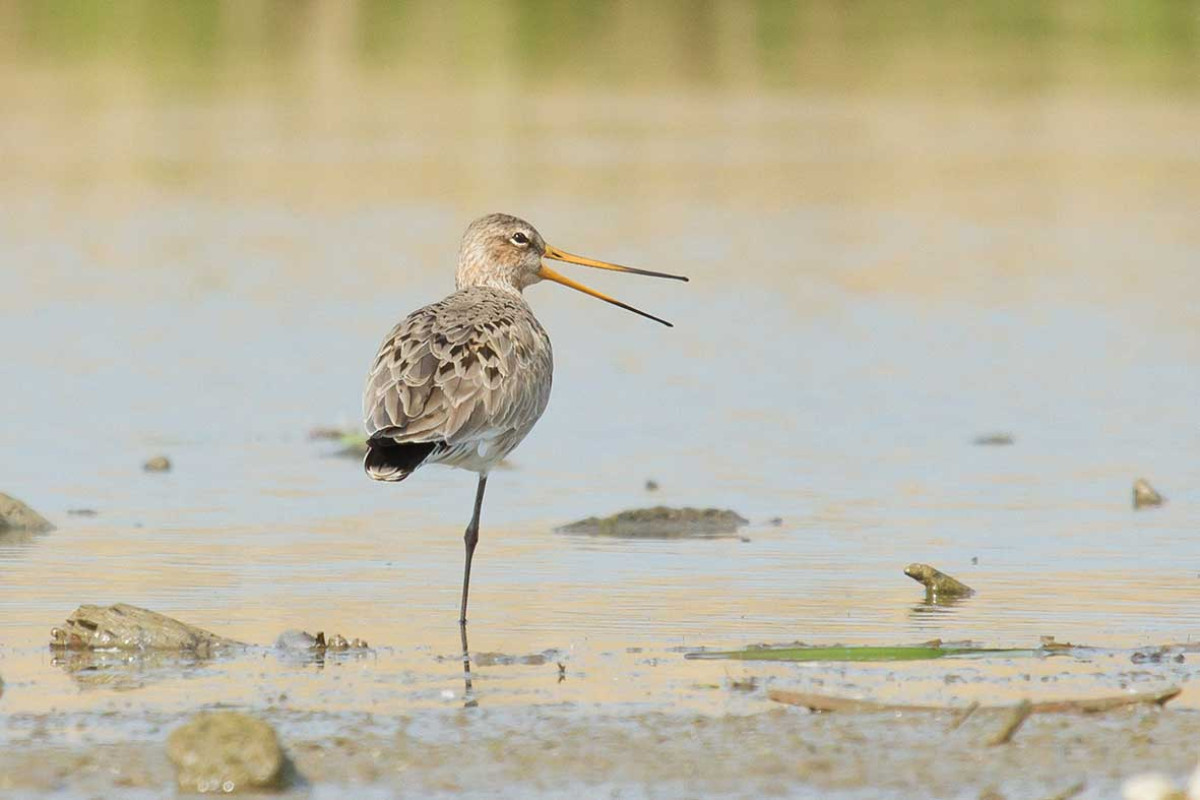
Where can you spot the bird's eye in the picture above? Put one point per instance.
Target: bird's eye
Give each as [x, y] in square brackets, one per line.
[519, 239]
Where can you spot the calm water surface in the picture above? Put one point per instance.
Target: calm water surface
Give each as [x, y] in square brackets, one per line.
[877, 279]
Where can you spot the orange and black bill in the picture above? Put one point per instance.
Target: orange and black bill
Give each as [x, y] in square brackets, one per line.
[559, 255]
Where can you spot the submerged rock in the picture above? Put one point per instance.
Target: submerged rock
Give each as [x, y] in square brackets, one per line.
[126, 627]
[937, 583]
[506, 660]
[158, 464]
[16, 516]
[327, 432]
[995, 440]
[660, 522]
[1145, 495]
[225, 752]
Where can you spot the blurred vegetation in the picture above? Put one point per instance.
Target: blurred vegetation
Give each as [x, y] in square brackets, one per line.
[707, 44]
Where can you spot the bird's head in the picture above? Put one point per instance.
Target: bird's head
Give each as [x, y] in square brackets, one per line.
[506, 253]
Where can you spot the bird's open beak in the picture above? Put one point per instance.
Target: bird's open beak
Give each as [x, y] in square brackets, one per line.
[559, 255]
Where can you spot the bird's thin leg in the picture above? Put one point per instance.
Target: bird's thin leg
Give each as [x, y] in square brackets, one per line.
[471, 538]
[468, 688]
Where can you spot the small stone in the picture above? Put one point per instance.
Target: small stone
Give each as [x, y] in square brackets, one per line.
[775, 522]
[16, 516]
[651, 485]
[82, 512]
[224, 752]
[303, 641]
[158, 464]
[1145, 496]
[995, 440]
[936, 582]
[296, 640]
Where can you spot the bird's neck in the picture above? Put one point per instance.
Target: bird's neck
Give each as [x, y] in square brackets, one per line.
[469, 275]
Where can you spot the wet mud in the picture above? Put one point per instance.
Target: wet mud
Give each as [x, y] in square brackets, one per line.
[544, 752]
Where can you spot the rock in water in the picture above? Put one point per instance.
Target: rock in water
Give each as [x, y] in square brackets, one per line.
[224, 752]
[16, 516]
[1145, 496]
[660, 522]
[995, 440]
[126, 627]
[302, 641]
[158, 464]
[504, 659]
[936, 582]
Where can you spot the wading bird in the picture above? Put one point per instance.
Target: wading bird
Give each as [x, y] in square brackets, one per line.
[462, 381]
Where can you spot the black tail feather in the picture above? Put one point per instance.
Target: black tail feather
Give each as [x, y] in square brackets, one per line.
[389, 460]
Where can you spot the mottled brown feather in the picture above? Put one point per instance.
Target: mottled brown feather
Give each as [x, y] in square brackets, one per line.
[473, 371]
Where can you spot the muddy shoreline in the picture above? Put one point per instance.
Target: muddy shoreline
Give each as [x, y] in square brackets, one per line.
[538, 751]
[404, 723]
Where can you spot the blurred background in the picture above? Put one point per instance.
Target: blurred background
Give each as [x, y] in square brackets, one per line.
[908, 225]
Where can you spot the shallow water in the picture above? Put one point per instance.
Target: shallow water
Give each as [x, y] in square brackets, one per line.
[878, 277]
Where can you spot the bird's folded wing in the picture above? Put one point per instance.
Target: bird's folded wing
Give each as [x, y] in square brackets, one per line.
[456, 372]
